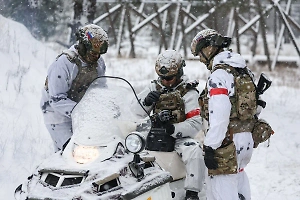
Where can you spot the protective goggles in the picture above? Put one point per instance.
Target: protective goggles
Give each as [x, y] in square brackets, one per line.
[213, 40]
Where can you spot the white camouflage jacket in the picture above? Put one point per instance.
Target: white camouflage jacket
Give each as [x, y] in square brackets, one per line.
[220, 87]
[55, 104]
[188, 128]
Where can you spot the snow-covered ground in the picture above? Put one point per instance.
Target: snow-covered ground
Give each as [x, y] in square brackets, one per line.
[274, 171]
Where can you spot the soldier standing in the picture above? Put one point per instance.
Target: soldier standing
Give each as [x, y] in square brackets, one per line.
[229, 104]
[68, 79]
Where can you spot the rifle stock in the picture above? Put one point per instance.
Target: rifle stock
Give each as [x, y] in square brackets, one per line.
[263, 84]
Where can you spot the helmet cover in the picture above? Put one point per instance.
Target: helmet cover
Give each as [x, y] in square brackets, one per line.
[94, 40]
[169, 63]
[200, 41]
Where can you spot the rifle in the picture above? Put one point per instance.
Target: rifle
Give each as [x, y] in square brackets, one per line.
[263, 84]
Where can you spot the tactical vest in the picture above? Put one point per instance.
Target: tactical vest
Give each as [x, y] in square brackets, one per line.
[83, 79]
[172, 100]
[243, 103]
[158, 139]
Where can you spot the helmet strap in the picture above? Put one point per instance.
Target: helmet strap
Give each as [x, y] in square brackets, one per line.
[204, 56]
[81, 49]
[179, 73]
[208, 60]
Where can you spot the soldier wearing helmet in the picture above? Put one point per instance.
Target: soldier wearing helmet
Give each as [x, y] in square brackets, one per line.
[92, 42]
[228, 143]
[174, 102]
[68, 79]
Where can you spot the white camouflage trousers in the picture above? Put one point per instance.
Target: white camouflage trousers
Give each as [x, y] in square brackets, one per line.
[225, 187]
[244, 149]
[60, 133]
[191, 154]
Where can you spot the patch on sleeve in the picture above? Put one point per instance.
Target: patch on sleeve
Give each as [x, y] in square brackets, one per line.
[192, 113]
[218, 91]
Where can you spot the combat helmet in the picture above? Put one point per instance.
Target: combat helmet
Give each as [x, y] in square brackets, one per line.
[169, 64]
[92, 42]
[209, 37]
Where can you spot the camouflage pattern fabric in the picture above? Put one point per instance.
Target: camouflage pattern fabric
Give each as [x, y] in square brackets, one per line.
[203, 103]
[244, 102]
[172, 100]
[261, 132]
[169, 63]
[227, 162]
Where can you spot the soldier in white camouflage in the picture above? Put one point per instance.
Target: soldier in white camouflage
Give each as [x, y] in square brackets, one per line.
[174, 102]
[68, 78]
[228, 103]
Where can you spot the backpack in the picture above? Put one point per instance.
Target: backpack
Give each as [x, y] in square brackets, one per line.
[244, 101]
[244, 106]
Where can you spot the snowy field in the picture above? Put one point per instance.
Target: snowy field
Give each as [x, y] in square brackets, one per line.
[274, 170]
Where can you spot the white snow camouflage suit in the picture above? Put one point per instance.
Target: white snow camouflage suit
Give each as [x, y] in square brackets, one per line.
[224, 187]
[191, 155]
[55, 102]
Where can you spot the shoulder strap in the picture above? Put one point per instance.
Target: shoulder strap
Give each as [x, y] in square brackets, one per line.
[72, 57]
[158, 86]
[227, 68]
[183, 88]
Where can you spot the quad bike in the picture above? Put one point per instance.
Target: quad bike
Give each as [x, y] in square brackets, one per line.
[97, 162]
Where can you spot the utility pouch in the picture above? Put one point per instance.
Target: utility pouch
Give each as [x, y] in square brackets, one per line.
[159, 140]
[171, 101]
[227, 162]
[261, 132]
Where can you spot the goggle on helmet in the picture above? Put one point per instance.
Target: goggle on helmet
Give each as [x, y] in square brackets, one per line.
[208, 37]
[169, 63]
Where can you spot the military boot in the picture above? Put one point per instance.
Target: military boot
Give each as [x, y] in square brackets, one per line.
[191, 195]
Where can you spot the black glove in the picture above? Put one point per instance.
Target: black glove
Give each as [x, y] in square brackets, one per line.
[165, 115]
[209, 158]
[151, 98]
[170, 128]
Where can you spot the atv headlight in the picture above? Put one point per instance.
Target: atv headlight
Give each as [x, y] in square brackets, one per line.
[135, 142]
[85, 154]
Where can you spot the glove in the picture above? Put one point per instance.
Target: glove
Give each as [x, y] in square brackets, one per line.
[170, 128]
[165, 115]
[192, 84]
[209, 158]
[151, 98]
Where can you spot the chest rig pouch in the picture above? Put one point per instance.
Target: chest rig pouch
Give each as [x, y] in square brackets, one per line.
[83, 79]
[171, 100]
